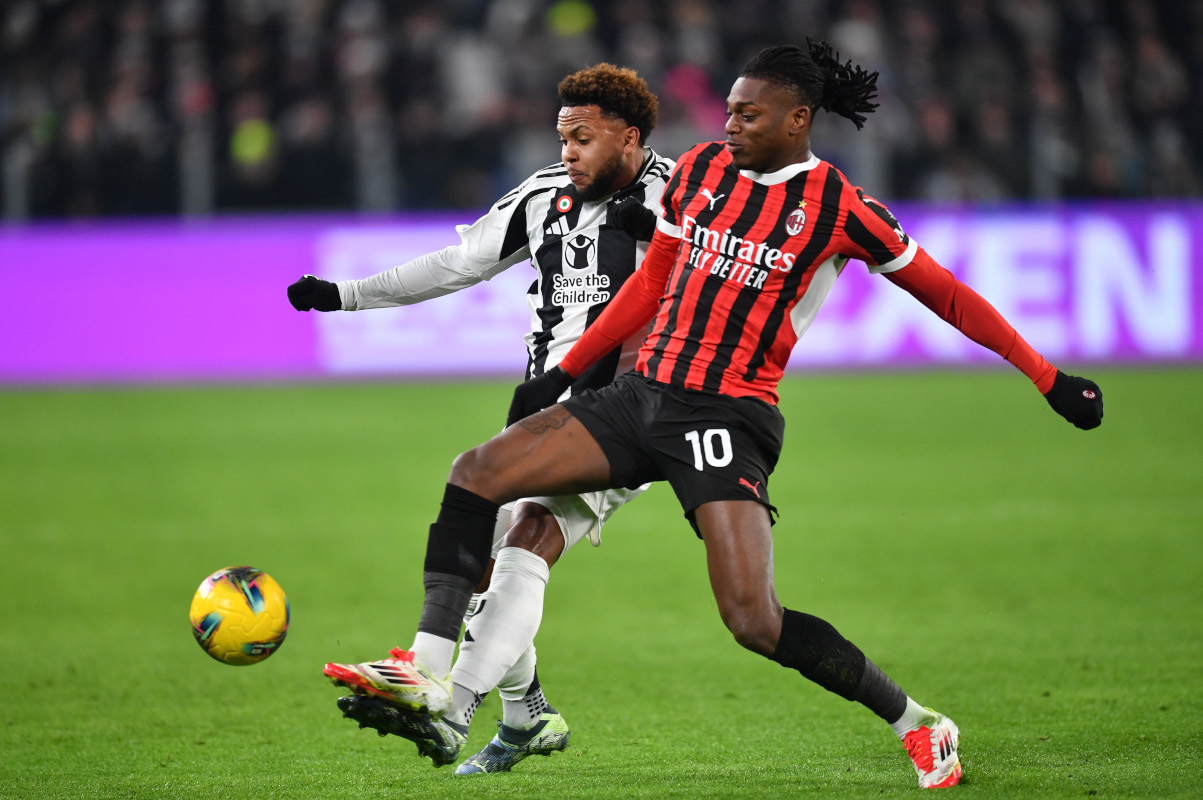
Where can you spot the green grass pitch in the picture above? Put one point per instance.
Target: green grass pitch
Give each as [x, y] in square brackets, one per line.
[1042, 585]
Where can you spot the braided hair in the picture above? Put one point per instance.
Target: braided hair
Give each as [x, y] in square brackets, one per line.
[818, 78]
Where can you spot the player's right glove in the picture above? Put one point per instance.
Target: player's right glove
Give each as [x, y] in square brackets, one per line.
[537, 394]
[313, 292]
[632, 216]
[1079, 400]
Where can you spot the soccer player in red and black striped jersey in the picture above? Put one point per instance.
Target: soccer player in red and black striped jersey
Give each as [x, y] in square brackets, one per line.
[755, 231]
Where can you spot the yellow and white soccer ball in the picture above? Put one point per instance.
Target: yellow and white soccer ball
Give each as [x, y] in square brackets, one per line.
[239, 615]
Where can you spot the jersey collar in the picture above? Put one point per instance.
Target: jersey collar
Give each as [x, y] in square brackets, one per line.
[781, 175]
[649, 158]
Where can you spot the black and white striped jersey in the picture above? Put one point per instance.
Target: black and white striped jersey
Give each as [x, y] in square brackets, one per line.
[579, 261]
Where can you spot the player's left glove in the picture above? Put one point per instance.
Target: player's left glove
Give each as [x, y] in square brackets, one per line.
[1079, 400]
[537, 394]
[632, 216]
[313, 292]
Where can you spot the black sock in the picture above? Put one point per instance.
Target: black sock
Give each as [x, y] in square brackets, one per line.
[457, 556]
[816, 649]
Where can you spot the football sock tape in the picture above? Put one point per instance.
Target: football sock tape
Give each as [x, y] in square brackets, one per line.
[461, 539]
[443, 608]
[457, 556]
[817, 650]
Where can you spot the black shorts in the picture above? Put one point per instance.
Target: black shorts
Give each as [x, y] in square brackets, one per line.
[707, 446]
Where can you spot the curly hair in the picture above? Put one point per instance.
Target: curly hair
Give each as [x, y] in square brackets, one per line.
[619, 92]
[818, 78]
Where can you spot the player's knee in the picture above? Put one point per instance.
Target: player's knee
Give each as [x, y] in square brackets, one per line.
[752, 628]
[536, 529]
[468, 469]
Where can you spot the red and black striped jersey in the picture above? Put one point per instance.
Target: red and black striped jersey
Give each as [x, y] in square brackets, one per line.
[758, 254]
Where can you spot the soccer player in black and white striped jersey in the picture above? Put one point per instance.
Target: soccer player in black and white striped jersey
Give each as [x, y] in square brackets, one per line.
[558, 219]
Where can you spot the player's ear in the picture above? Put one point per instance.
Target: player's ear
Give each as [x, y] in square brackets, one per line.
[630, 139]
[800, 119]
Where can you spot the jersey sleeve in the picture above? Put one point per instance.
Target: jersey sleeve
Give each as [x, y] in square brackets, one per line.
[873, 235]
[970, 313]
[492, 244]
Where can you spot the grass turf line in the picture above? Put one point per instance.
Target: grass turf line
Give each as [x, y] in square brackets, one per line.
[1039, 584]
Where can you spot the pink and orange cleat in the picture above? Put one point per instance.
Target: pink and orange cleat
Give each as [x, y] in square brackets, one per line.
[934, 753]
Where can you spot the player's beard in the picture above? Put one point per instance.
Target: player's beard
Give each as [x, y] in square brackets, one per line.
[605, 181]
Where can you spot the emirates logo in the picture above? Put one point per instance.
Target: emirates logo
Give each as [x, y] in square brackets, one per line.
[795, 222]
[1089, 394]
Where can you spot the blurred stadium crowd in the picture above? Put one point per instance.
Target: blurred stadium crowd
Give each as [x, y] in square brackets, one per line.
[134, 107]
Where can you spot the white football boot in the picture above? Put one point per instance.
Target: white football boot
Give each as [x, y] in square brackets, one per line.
[399, 680]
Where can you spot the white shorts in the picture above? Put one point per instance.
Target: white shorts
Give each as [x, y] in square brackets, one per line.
[580, 516]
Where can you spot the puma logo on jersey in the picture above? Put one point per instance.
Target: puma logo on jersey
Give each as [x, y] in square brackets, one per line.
[710, 198]
[753, 486]
[880, 210]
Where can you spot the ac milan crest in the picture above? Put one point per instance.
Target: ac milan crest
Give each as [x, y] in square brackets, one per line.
[795, 222]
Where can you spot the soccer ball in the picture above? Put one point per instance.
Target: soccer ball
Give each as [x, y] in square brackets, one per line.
[239, 615]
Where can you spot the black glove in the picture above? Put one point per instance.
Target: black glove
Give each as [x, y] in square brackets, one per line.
[313, 292]
[1079, 400]
[632, 216]
[537, 394]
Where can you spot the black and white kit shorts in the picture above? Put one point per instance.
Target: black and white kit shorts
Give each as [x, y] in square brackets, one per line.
[709, 447]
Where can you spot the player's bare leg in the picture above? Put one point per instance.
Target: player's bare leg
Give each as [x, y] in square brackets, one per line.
[739, 556]
[548, 453]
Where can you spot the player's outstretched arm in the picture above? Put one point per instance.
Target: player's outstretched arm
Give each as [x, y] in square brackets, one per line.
[1078, 400]
[311, 292]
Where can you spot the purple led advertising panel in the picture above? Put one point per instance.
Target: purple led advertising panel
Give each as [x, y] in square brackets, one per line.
[199, 300]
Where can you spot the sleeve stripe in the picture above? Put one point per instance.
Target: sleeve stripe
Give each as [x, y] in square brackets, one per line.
[515, 233]
[532, 188]
[668, 229]
[901, 261]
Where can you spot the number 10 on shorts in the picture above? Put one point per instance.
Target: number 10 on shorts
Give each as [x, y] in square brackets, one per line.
[714, 445]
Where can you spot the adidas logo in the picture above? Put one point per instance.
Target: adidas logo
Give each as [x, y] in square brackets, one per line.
[558, 228]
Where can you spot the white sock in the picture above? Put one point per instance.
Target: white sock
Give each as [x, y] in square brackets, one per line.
[518, 678]
[506, 620]
[521, 707]
[433, 652]
[914, 717]
[524, 713]
[464, 703]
